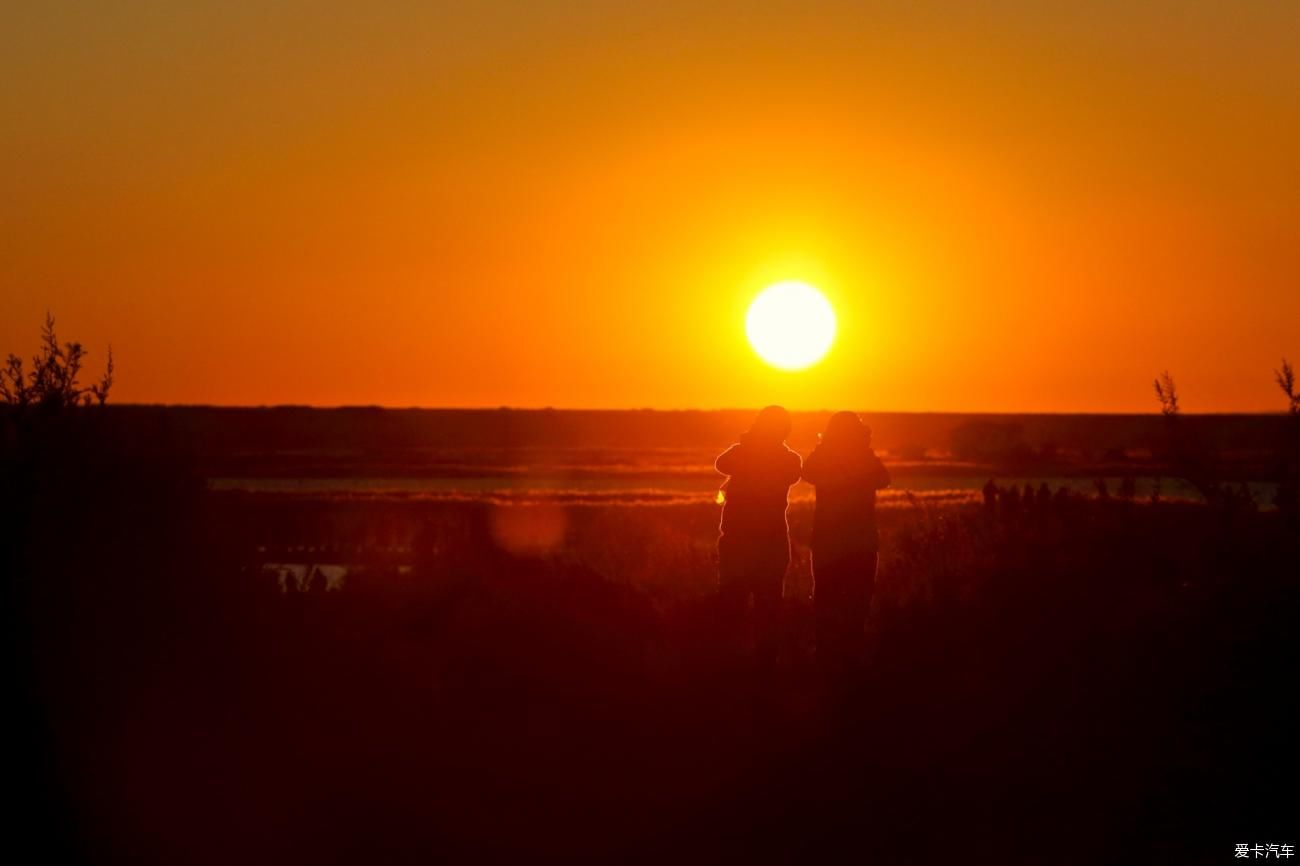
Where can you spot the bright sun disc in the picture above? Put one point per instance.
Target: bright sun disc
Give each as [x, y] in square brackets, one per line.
[790, 325]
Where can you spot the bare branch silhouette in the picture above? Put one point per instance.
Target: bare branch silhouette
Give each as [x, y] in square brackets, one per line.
[1285, 379]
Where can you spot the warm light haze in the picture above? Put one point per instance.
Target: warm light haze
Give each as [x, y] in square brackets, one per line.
[1009, 206]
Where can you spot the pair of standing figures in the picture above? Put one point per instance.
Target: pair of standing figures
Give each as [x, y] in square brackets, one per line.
[754, 546]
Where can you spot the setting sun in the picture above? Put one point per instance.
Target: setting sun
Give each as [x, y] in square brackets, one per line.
[790, 325]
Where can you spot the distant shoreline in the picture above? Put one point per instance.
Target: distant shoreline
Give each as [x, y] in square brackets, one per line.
[306, 407]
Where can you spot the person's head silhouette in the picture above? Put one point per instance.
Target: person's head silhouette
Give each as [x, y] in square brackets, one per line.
[772, 425]
[846, 428]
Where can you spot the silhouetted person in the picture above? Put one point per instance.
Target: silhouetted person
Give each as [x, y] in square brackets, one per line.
[1009, 502]
[754, 545]
[845, 540]
[990, 492]
[1061, 499]
[1044, 497]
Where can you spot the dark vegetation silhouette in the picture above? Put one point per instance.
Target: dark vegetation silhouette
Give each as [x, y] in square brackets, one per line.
[1167, 394]
[53, 383]
[1051, 677]
[1285, 377]
[1191, 458]
[1287, 474]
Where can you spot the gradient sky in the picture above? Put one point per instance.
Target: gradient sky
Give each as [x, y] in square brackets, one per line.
[571, 204]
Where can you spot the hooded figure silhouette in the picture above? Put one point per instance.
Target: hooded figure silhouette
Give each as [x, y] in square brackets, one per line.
[754, 545]
[845, 541]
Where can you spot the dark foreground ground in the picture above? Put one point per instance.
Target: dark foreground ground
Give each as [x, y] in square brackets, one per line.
[1077, 681]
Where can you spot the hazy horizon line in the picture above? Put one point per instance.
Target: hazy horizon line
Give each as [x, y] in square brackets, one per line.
[673, 410]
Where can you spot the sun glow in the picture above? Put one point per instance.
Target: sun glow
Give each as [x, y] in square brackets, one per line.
[790, 325]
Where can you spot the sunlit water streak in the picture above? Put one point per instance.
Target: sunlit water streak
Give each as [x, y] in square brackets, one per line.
[671, 489]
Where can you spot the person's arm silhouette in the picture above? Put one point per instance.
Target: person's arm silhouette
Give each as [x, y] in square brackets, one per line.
[878, 475]
[728, 461]
[813, 467]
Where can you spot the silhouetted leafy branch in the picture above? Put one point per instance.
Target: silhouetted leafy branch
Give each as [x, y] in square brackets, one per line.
[54, 380]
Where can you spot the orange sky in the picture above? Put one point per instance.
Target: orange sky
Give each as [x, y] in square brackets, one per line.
[571, 204]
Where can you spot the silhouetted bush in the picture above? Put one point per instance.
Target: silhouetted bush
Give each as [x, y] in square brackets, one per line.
[53, 383]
